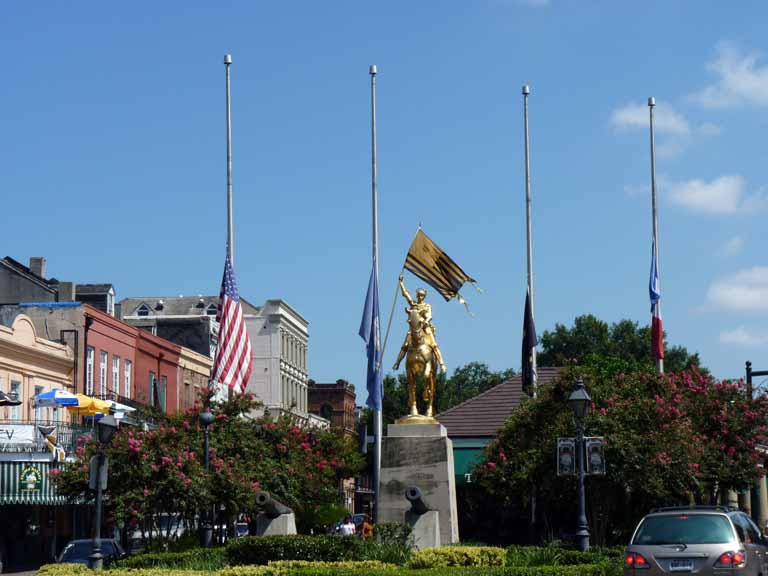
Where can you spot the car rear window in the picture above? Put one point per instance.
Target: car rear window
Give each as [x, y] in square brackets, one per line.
[684, 529]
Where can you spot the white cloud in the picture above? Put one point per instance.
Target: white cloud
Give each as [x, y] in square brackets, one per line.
[740, 80]
[732, 247]
[746, 337]
[666, 120]
[744, 291]
[720, 196]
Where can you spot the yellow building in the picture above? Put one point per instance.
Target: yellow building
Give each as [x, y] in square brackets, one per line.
[36, 520]
[31, 365]
[194, 374]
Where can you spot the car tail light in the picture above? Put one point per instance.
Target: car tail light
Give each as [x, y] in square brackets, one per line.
[635, 560]
[731, 559]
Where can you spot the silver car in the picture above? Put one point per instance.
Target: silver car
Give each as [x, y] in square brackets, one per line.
[703, 540]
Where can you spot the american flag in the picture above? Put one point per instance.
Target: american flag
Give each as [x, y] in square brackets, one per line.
[232, 364]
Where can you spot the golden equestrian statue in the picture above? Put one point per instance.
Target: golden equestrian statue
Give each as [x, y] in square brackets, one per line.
[421, 353]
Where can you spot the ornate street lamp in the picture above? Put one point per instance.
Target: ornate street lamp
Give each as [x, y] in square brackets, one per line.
[206, 529]
[105, 430]
[579, 401]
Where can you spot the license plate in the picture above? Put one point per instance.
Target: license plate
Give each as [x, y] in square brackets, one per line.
[681, 566]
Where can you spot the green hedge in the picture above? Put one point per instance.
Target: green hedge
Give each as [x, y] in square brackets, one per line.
[260, 550]
[334, 570]
[457, 556]
[197, 559]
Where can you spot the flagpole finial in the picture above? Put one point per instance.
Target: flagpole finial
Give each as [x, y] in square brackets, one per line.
[651, 102]
[227, 59]
[526, 90]
[372, 70]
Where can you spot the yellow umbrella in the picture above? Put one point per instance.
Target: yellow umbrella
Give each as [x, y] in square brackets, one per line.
[87, 406]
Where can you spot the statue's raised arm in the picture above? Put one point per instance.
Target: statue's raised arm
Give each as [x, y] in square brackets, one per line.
[406, 294]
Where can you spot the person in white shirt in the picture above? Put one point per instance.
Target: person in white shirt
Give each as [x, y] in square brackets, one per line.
[348, 527]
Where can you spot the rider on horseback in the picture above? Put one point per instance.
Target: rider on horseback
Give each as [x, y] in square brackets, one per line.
[424, 311]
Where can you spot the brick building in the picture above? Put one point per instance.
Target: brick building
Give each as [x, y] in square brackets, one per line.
[334, 402]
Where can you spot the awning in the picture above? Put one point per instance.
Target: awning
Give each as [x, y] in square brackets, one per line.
[27, 483]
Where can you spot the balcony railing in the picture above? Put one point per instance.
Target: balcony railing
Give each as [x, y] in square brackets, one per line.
[25, 435]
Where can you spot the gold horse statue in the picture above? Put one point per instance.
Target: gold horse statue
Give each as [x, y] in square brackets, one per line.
[421, 353]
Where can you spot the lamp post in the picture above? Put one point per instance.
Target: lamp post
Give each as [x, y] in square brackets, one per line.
[206, 530]
[579, 401]
[105, 430]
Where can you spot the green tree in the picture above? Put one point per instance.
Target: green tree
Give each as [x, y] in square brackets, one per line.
[624, 339]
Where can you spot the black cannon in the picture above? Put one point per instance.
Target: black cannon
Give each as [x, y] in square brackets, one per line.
[271, 507]
[416, 498]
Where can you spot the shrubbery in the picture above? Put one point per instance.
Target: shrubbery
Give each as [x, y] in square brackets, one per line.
[457, 556]
[260, 550]
[339, 569]
[196, 559]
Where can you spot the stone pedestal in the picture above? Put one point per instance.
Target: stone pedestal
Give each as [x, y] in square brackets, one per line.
[283, 525]
[419, 455]
[425, 529]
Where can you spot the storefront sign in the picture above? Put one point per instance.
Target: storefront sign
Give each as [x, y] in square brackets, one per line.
[17, 434]
[31, 479]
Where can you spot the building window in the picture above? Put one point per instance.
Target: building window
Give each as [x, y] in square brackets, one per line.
[89, 372]
[15, 394]
[152, 391]
[38, 410]
[161, 392]
[142, 310]
[116, 374]
[326, 411]
[127, 365]
[103, 375]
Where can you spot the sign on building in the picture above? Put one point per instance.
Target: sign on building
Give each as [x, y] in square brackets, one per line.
[31, 479]
[16, 434]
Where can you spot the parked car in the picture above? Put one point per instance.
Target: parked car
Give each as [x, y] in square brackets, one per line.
[79, 551]
[705, 540]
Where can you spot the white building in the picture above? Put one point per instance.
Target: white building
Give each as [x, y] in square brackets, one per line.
[279, 340]
[280, 343]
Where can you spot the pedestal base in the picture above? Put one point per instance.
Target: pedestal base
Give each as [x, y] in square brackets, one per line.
[419, 455]
[425, 529]
[283, 525]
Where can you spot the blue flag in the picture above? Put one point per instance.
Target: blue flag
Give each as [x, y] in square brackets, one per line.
[371, 334]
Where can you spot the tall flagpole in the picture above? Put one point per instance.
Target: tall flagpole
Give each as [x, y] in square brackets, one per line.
[377, 422]
[230, 237]
[651, 105]
[528, 230]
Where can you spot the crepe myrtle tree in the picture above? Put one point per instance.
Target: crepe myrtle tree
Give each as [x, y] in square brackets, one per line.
[160, 471]
[675, 438]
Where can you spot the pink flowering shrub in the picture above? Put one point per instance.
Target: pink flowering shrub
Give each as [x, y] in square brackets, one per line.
[162, 470]
[670, 439]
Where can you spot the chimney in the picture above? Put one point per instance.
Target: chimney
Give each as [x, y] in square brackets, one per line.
[67, 291]
[37, 265]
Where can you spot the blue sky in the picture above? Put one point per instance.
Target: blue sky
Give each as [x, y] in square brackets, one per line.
[113, 148]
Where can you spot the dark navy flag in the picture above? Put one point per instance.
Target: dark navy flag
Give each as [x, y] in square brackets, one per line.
[529, 343]
[371, 334]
